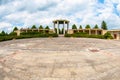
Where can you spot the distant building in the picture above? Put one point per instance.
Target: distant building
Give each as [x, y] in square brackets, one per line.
[114, 33]
[34, 30]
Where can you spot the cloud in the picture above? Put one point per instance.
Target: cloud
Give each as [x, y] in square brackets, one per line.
[5, 26]
[118, 7]
[24, 13]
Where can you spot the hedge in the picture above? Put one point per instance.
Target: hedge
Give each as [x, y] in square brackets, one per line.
[84, 35]
[13, 36]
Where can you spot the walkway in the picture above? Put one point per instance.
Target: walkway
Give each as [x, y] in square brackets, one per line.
[60, 59]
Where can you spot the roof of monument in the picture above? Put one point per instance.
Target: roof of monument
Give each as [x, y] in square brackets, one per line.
[61, 20]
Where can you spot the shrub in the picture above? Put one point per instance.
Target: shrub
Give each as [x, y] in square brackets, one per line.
[5, 38]
[84, 35]
[13, 34]
[107, 35]
[24, 35]
[68, 35]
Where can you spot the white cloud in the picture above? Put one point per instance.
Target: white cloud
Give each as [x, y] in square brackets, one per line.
[4, 26]
[118, 7]
[24, 13]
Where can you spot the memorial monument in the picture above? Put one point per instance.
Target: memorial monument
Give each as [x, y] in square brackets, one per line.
[61, 21]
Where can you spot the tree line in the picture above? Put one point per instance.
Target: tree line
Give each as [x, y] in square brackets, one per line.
[103, 26]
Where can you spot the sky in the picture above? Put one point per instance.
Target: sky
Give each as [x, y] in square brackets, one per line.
[25, 13]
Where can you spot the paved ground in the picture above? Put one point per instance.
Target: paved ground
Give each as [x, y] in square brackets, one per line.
[60, 59]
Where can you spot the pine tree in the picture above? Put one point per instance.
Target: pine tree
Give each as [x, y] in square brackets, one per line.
[80, 27]
[104, 25]
[41, 27]
[47, 27]
[3, 33]
[33, 27]
[96, 27]
[74, 26]
[15, 28]
[87, 26]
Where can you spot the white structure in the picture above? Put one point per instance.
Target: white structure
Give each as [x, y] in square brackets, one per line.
[58, 22]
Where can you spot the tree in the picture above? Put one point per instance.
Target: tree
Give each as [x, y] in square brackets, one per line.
[15, 28]
[33, 27]
[104, 25]
[107, 35]
[87, 26]
[96, 27]
[13, 34]
[47, 27]
[3, 33]
[74, 26]
[41, 27]
[80, 27]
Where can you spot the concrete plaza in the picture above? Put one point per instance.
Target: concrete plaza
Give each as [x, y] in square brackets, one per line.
[60, 59]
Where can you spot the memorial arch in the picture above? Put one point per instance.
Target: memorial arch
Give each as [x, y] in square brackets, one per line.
[57, 25]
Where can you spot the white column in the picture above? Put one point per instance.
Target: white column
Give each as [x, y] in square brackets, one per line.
[83, 30]
[54, 26]
[57, 27]
[89, 31]
[38, 30]
[67, 26]
[64, 27]
[96, 32]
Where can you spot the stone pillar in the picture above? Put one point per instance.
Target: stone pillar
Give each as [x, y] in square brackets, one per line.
[64, 27]
[83, 30]
[18, 32]
[67, 26]
[57, 27]
[89, 31]
[95, 32]
[54, 26]
[26, 30]
[38, 30]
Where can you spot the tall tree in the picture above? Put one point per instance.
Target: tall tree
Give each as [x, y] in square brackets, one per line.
[87, 26]
[34, 27]
[96, 27]
[3, 33]
[41, 27]
[15, 28]
[47, 27]
[74, 26]
[80, 27]
[104, 25]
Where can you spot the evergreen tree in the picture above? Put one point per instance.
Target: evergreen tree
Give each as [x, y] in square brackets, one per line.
[3, 33]
[87, 26]
[80, 27]
[34, 27]
[41, 27]
[96, 27]
[74, 26]
[104, 25]
[47, 27]
[15, 28]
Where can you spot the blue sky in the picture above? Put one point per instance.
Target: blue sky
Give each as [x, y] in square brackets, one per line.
[101, 1]
[25, 13]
